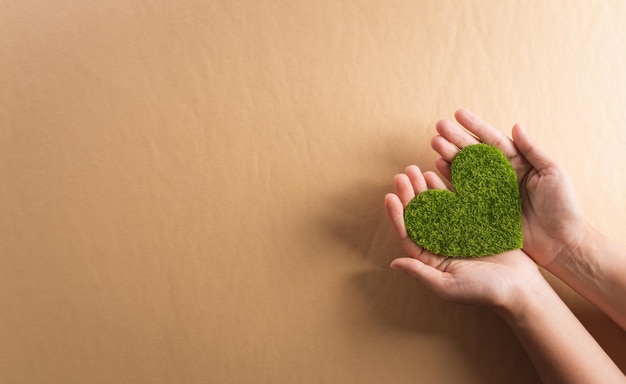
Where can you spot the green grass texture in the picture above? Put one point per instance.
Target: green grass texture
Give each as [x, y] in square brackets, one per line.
[481, 217]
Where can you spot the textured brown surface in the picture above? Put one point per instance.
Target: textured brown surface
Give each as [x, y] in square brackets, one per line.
[191, 191]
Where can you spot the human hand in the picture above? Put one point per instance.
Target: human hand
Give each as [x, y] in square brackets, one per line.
[495, 281]
[552, 221]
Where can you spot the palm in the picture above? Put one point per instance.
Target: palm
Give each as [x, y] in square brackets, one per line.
[551, 218]
[488, 281]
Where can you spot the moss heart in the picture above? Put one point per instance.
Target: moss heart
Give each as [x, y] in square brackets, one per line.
[482, 218]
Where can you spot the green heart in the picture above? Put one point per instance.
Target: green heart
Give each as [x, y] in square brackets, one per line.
[482, 218]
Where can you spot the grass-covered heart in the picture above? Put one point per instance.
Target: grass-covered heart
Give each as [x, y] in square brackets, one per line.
[482, 217]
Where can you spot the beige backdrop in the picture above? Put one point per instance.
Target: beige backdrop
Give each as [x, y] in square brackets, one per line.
[191, 191]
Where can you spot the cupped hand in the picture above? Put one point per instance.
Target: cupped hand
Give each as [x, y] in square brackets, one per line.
[494, 281]
[552, 221]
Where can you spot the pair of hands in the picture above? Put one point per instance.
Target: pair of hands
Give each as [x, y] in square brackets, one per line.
[552, 222]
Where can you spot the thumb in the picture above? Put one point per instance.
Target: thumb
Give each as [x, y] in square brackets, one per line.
[536, 156]
[429, 276]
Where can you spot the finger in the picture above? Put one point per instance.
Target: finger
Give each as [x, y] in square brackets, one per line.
[455, 134]
[434, 181]
[535, 155]
[417, 179]
[444, 148]
[485, 132]
[444, 168]
[395, 212]
[427, 275]
[404, 189]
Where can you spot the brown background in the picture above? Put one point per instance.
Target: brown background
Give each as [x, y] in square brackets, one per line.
[191, 191]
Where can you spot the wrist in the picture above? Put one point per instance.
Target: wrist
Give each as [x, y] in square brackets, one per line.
[580, 256]
[530, 297]
[577, 250]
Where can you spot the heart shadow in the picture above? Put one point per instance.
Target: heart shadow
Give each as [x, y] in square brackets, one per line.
[357, 216]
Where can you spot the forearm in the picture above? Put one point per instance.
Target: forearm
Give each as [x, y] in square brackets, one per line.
[596, 269]
[560, 348]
